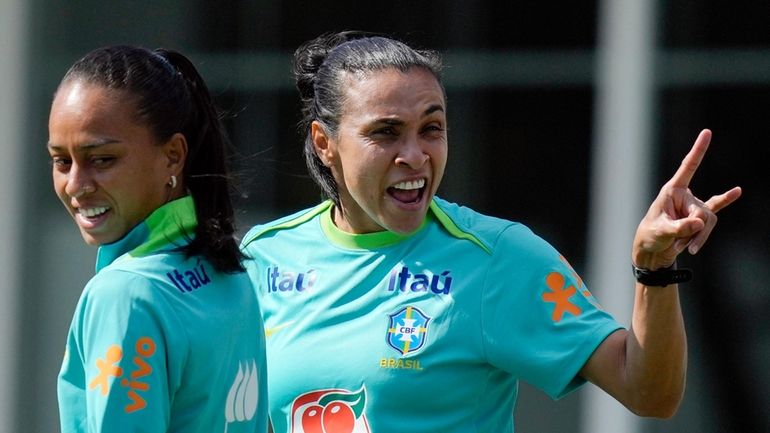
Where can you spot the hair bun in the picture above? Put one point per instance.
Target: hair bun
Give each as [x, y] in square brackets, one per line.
[310, 56]
[308, 59]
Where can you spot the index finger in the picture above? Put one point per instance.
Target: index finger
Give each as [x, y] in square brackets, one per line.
[692, 160]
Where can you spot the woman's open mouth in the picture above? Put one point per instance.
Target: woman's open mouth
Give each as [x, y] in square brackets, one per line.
[92, 216]
[408, 192]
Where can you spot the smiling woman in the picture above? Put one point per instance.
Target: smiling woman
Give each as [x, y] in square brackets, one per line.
[107, 167]
[167, 334]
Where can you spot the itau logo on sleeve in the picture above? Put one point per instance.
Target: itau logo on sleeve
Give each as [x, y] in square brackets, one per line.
[330, 411]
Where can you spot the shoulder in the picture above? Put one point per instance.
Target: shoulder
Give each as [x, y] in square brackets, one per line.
[150, 281]
[287, 222]
[487, 231]
[117, 306]
[117, 287]
[511, 247]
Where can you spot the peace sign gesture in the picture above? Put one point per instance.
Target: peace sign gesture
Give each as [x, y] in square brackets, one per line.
[676, 218]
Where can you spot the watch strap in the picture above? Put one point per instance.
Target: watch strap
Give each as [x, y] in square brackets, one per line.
[661, 277]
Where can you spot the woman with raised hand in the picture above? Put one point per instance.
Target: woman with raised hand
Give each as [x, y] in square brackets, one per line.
[388, 309]
[167, 335]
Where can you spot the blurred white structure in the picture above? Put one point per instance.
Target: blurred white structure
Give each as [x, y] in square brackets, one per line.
[12, 114]
[621, 170]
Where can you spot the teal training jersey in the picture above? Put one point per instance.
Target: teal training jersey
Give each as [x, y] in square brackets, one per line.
[163, 343]
[423, 333]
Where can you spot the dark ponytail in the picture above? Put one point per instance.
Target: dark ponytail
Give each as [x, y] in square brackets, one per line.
[318, 70]
[206, 173]
[172, 97]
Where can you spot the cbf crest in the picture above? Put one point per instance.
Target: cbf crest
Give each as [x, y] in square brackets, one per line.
[408, 330]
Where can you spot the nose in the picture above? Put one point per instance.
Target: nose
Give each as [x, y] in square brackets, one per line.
[411, 154]
[79, 182]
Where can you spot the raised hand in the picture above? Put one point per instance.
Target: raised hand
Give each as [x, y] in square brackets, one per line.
[676, 219]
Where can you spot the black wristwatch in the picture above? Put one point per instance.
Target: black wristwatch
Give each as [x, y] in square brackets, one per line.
[661, 277]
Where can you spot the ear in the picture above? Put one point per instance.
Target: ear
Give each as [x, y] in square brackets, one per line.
[175, 151]
[322, 143]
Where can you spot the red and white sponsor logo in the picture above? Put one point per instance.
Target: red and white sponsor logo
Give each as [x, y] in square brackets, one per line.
[330, 411]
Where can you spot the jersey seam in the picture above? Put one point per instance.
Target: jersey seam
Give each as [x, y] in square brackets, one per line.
[482, 335]
[301, 218]
[455, 229]
[484, 290]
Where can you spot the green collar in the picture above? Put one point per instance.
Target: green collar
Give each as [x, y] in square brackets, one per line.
[363, 241]
[165, 226]
[369, 240]
[387, 238]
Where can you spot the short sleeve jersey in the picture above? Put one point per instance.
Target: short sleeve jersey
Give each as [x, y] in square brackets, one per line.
[163, 343]
[429, 332]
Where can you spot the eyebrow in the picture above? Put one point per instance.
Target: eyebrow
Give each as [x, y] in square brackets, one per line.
[390, 121]
[87, 146]
[433, 108]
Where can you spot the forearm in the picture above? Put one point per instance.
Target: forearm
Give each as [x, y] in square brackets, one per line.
[644, 368]
[656, 352]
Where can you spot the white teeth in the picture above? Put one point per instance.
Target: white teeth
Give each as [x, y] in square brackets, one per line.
[415, 184]
[93, 211]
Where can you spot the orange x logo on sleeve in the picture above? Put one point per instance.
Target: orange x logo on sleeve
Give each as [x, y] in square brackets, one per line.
[560, 295]
[107, 368]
